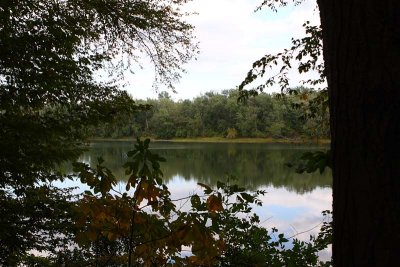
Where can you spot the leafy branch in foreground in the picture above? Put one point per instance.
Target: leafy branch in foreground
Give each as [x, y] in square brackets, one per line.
[274, 4]
[54, 87]
[312, 161]
[143, 226]
[307, 51]
[249, 244]
[53, 57]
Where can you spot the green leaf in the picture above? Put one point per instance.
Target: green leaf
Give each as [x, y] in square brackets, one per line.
[207, 189]
[195, 201]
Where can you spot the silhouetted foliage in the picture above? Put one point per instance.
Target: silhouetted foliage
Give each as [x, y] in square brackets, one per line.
[54, 85]
[360, 61]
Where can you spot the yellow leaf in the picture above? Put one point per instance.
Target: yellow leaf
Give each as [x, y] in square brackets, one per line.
[139, 219]
[111, 236]
[214, 203]
[304, 97]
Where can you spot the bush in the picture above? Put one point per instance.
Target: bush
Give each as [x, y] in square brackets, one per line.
[231, 133]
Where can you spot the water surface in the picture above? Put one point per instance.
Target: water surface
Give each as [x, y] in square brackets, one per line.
[293, 202]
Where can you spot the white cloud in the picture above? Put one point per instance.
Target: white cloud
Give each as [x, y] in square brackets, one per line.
[291, 213]
[283, 208]
[231, 37]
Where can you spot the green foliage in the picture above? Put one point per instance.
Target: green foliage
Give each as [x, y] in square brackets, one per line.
[292, 115]
[313, 161]
[52, 55]
[275, 130]
[274, 4]
[142, 224]
[246, 243]
[306, 51]
[249, 244]
[231, 133]
[265, 166]
[38, 220]
[307, 54]
[54, 87]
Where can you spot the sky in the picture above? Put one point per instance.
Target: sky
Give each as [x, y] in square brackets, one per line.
[231, 37]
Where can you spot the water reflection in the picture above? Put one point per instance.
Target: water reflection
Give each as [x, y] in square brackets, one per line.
[293, 202]
[254, 165]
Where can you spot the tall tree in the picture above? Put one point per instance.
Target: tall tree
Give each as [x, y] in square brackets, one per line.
[54, 57]
[362, 59]
[361, 62]
[52, 54]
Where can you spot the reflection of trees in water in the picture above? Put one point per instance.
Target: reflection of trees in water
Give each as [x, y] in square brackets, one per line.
[254, 165]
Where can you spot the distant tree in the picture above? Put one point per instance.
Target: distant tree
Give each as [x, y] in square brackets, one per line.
[164, 94]
[213, 113]
[231, 133]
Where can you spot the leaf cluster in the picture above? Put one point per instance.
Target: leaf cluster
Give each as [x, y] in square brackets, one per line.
[312, 161]
[38, 220]
[274, 4]
[249, 244]
[307, 51]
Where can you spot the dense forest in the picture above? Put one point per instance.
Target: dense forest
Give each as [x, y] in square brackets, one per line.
[297, 114]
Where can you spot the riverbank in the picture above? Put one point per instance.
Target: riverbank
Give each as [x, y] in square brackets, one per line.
[224, 140]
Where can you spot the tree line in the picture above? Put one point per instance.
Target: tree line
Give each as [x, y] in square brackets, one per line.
[294, 114]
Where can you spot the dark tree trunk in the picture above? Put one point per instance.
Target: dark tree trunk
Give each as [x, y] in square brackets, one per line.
[362, 56]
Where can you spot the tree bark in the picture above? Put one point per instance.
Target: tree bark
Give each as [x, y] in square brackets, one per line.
[361, 41]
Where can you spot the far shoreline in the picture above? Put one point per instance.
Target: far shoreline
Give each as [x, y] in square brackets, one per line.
[220, 140]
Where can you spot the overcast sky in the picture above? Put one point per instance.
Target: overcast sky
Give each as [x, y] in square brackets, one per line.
[231, 36]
